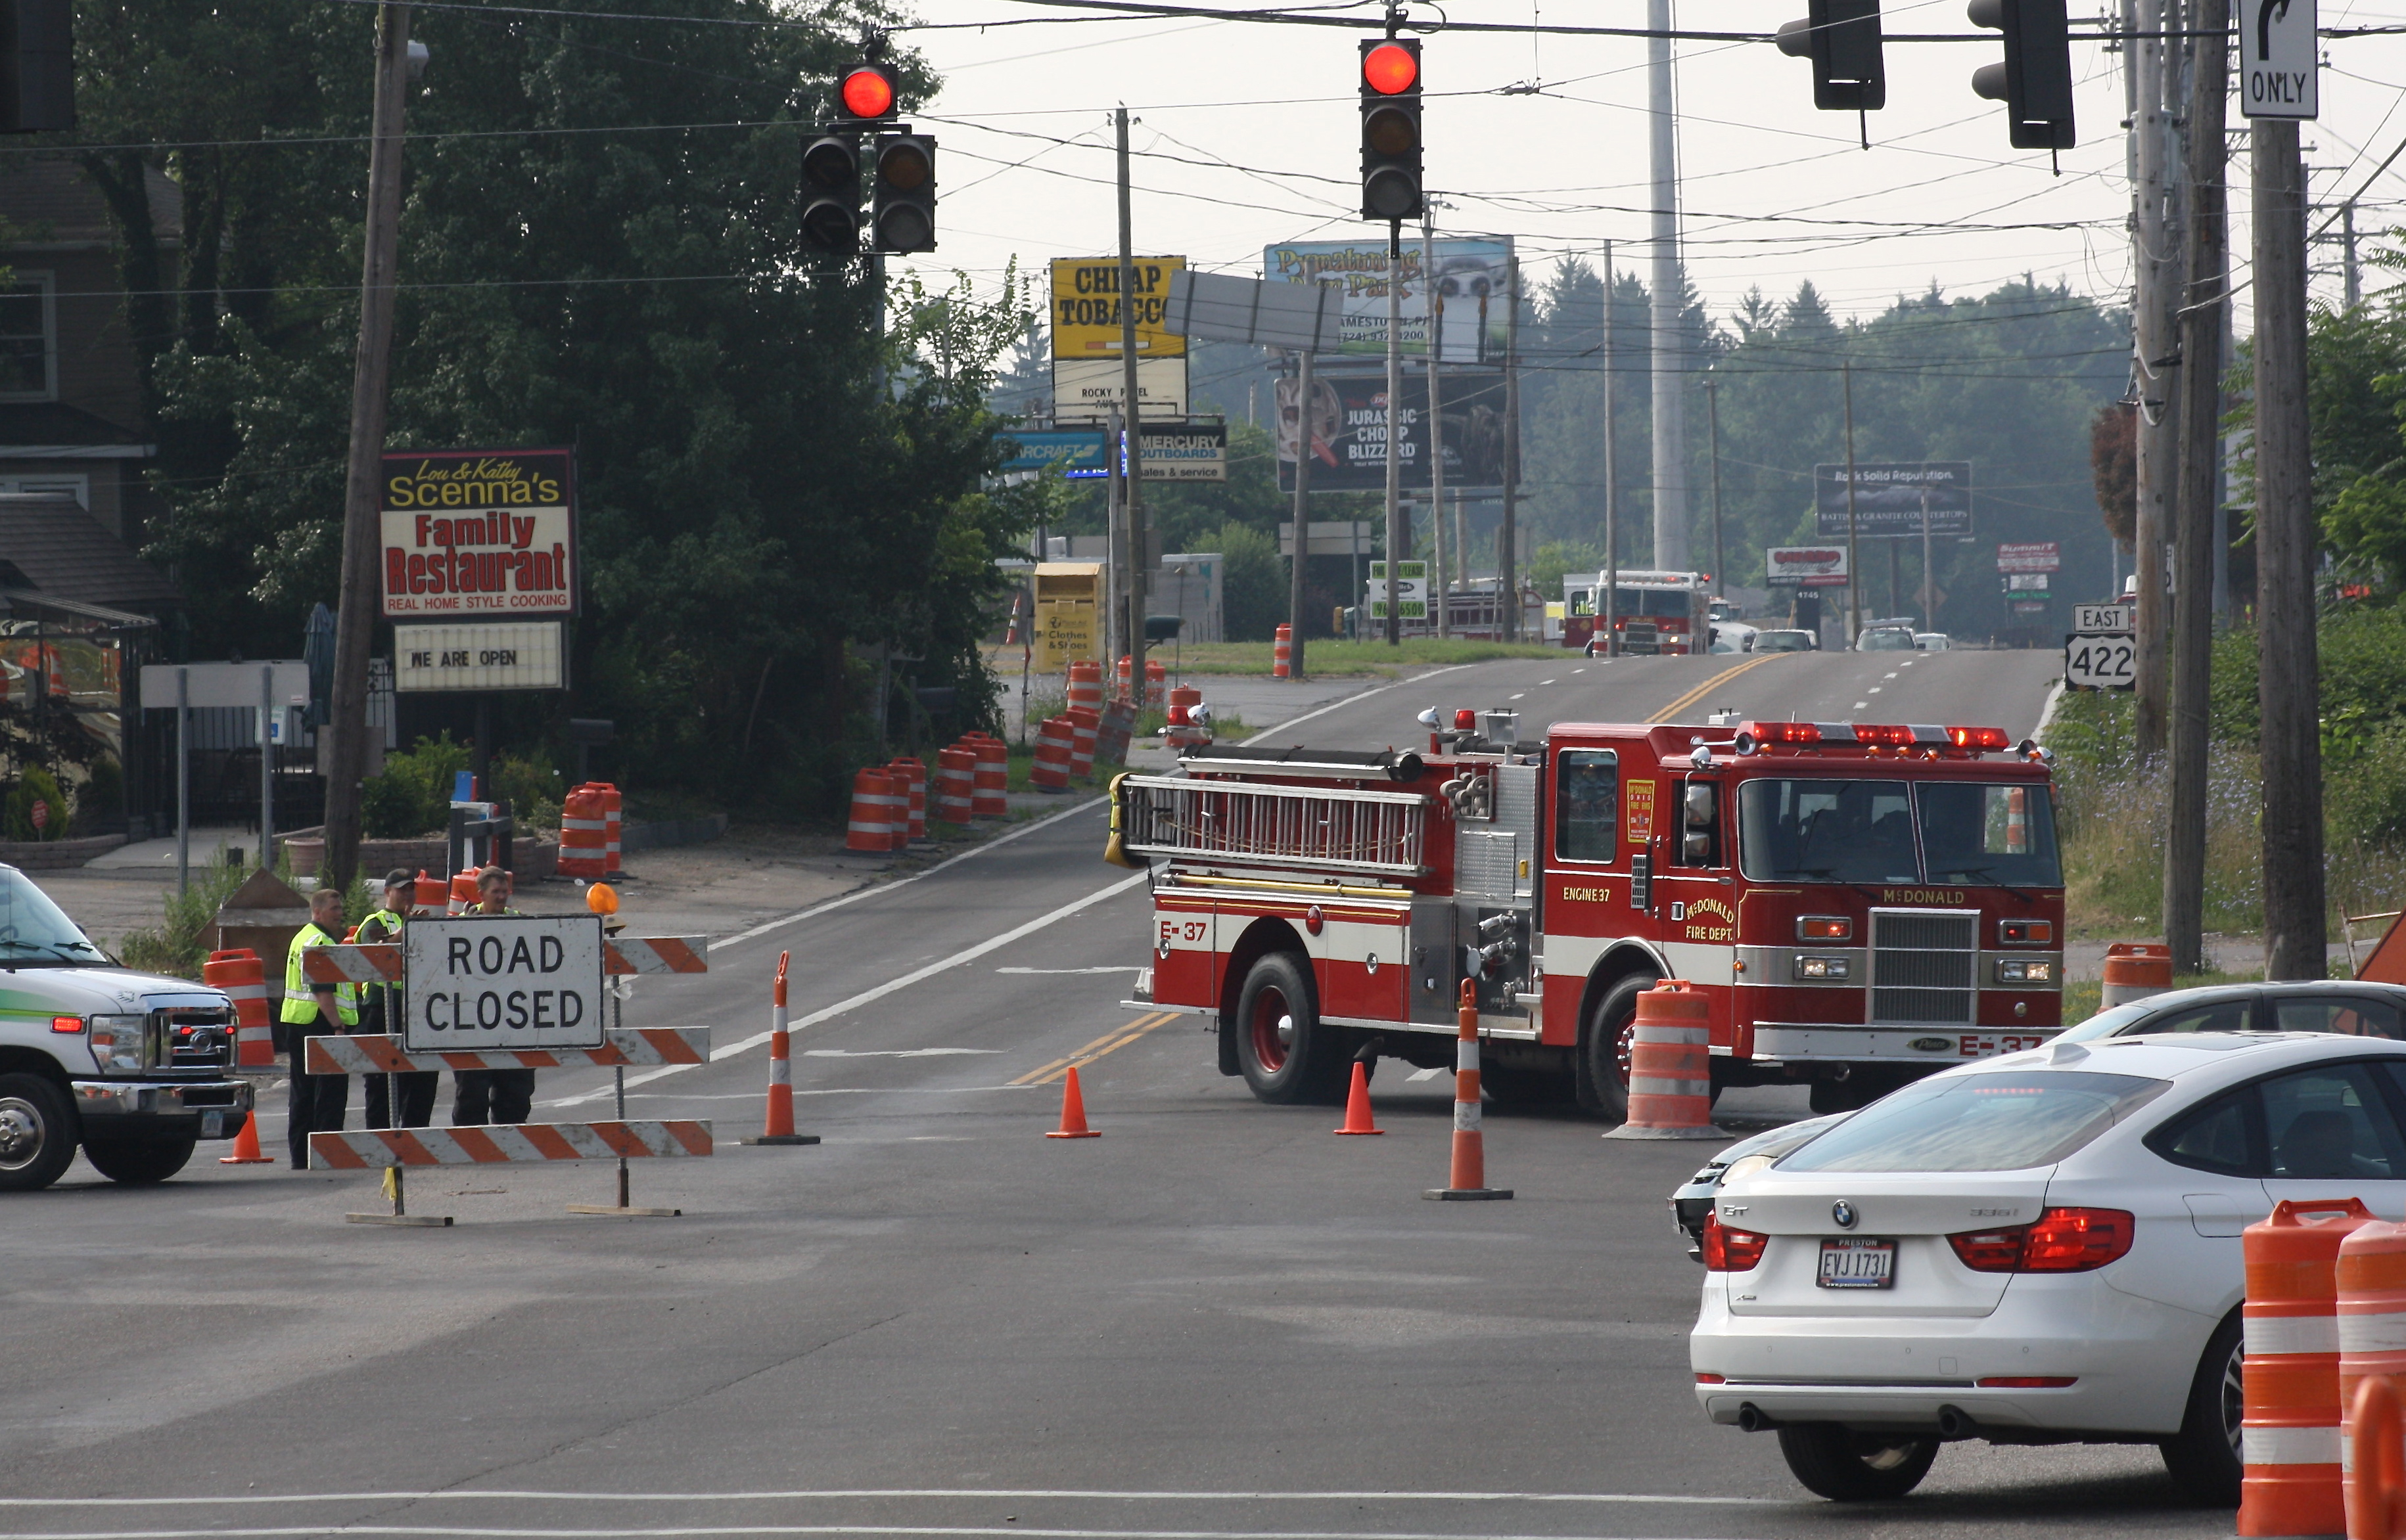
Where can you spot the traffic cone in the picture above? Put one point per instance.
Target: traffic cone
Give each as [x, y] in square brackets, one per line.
[1357, 1104]
[246, 1146]
[1073, 1111]
[1467, 1181]
[779, 1128]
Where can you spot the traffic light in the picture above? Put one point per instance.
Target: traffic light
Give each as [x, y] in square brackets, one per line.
[1842, 37]
[2035, 81]
[902, 207]
[1391, 128]
[37, 66]
[831, 194]
[868, 92]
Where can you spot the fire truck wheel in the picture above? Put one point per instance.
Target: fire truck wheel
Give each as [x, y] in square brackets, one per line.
[1287, 1055]
[1603, 1062]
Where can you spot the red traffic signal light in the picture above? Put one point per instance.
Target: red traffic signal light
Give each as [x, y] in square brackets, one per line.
[1391, 68]
[868, 92]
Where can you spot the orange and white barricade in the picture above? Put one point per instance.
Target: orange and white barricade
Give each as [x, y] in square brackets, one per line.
[1467, 1179]
[1055, 743]
[868, 830]
[1086, 686]
[614, 826]
[1670, 1066]
[1157, 684]
[2289, 1432]
[1111, 737]
[2370, 1285]
[584, 836]
[1084, 727]
[991, 781]
[243, 977]
[497, 1144]
[1121, 689]
[913, 775]
[955, 775]
[1283, 654]
[2136, 969]
[778, 1124]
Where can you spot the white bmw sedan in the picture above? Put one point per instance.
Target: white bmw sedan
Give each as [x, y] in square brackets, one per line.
[2037, 1249]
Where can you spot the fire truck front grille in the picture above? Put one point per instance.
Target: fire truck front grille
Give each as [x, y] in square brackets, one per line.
[1925, 967]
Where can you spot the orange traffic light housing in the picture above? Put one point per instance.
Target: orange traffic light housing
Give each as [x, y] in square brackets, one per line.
[1390, 129]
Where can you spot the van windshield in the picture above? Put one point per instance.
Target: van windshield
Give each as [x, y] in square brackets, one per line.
[1960, 833]
[35, 931]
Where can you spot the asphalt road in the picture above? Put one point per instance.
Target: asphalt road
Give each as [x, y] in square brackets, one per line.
[1214, 1321]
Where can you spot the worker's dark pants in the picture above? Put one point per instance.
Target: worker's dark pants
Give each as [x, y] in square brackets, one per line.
[318, 1105]
[493, 1095]
[416, 1099]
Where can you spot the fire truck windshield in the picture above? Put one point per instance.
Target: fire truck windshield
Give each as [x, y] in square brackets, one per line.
[1853, 830]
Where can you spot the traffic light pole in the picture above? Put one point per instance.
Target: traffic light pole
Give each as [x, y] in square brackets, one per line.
[1138, 553]
[1302, 509]
[1605, 616]
[1398, 544]
[1854, 556]
[1432, 306]
[1508, 575]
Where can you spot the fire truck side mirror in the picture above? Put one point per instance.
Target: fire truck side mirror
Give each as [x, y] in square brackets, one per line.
[1698, 802]
[1697, 848]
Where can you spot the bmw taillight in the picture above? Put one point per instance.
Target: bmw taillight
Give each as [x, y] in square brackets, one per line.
[1728, 1251]
[2060, 1240]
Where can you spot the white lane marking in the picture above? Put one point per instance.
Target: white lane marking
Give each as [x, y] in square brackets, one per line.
[1888, 676]
[696, 1532]
[1516, 697]
[1130, 967]
[1862, 705]
[859, 893]
[1544, 682]
[1364, 694]
[472, 1495]
[1429, 1074]
[967, 955]
[1574, 671]
[1874, 691]
[891, 1052]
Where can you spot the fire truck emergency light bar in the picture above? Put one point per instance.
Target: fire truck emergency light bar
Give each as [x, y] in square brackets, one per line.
[1756, 737]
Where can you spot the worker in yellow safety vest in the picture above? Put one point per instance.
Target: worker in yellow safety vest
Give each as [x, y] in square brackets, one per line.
[315, 1009]
[493, 1095]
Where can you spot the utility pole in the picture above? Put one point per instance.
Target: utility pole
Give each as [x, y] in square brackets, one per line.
[1398, 542]
[1929, 585]
[1433, 307]
[1713, 415]
[1302, 509]
[370, 381]
[2201, 443]
[1854, 557]
[2354, 292]
[1139, 548]
[2287, 673]
[1669, 358]
[1115, 602]
[1507, 570]
[1611, 472]
[2154, 234]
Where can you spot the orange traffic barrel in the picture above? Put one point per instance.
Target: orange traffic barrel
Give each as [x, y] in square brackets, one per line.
[1121, 689]
[1087, 685]
[1157, 684]
[1055, 743]
[1283, 654]
[1111, 738]
[430, 892]
[244, 977]
[1670, 1066]
[955, 775]
[2136, 969]
[2376, 1424]
[992, 778]
[867, 830]
[463, 891]
[614, 823]
[2289, 1430]
[1086, 726]
[913, 775]
[583, 835]
[2371, 1329]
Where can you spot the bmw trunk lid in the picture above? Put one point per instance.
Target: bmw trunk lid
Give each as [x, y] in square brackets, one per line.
[1868, 1245]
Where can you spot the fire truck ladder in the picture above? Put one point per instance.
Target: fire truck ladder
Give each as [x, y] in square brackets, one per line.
[1246, 823]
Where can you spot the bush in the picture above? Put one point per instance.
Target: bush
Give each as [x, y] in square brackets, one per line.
[101, 798]
[1254, 584]
[413, 796]
[535, 788]
[36, 784]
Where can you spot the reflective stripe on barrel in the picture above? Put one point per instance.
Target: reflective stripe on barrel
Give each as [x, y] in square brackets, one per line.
[2290, 1441]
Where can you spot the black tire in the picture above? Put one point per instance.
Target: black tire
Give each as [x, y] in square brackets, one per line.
[1846, 1466]
[38, 1134]
[1601, 1069]
[2203, 1457]
[1287, 1055]
[139, 1163]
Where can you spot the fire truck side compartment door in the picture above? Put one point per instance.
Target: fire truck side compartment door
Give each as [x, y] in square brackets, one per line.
[1435, 961]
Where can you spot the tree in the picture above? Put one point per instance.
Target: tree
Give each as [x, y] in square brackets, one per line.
[2114, 464]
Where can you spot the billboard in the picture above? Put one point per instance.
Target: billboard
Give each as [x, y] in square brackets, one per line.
[1089, 387]
[1185, 451]
[1348, 419]
[1888, 498]
[480, 657]
[1806, 566]
[1087, 307]
[1079, 451]
[1472, 287]
[2032, 556]
[478, 533]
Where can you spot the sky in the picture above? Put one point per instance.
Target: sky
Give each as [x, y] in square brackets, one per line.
[1246, 134]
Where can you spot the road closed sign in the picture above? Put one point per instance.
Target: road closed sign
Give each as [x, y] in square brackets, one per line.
[2277, 58]
[473, 982]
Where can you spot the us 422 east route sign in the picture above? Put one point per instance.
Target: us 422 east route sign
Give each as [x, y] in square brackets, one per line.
[2101, 662]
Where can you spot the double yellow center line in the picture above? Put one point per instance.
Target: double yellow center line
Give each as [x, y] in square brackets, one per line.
[1675, 707]
[1110, 1042]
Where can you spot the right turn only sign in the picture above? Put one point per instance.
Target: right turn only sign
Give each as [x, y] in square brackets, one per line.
[2277, 59]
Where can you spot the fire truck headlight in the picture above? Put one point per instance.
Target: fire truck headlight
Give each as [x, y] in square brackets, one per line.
[2025, 971]
[1823, 969]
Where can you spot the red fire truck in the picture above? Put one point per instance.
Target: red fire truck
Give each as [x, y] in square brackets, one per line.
[1860, 904]
[1653, 612]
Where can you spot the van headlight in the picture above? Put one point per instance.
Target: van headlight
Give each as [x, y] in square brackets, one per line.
[116, 1043]
[2025, 971]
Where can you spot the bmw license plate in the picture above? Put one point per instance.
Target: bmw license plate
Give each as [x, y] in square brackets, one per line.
[1857, 1263]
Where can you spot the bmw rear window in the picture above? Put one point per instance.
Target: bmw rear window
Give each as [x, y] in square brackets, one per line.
[2003, 1121]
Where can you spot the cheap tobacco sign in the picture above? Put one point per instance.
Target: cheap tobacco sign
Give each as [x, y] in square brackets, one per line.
[479, 534]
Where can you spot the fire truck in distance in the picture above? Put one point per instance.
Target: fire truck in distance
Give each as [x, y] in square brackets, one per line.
[1653, 612]
[1860, 904]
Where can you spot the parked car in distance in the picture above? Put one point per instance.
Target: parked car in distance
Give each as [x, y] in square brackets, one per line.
[1729, 636]
[2345, 1005]
[1930, 641]
[2034, 1248]
[1784, 641]
[1885, 639]
[1693, 1198]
